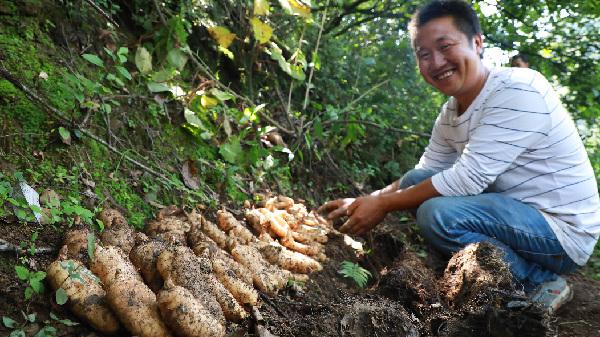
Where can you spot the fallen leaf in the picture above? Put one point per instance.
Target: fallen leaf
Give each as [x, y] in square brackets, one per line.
[190, 175]
[49, 198]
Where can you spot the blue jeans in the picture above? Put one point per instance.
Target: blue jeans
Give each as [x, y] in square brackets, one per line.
[531, 249]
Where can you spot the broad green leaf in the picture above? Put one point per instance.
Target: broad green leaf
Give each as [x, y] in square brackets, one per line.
[158, 87]
[231, 151]
[36, 285]
[191, 118]
[38, 275]
[8, 322]
[222, 35]
[124, 72]
[163, 75]
[261, 7]
[17, 333]
[61, 296]
[28, 293]
[46, 331]
[208, 102]
[262, 31]
[65, 135]
[221, 95]
[94, 59]
[177, 58]
[22, 273]
[316, 61]
[143, 60]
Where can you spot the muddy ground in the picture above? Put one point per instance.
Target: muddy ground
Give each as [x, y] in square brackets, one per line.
[407, 296]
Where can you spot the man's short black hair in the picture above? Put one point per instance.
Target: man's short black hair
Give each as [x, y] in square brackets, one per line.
[520, 56]
[461, 12]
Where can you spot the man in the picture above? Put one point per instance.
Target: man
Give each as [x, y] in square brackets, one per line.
[504, 163]
[519, 61]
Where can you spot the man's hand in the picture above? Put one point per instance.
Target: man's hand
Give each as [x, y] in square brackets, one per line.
[336, 208]
[364, 214]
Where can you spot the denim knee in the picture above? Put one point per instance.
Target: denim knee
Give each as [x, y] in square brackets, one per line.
[415, 176]
[428, 215]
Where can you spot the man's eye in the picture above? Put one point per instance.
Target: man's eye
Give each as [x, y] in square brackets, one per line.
[424, 56]
[445, 47]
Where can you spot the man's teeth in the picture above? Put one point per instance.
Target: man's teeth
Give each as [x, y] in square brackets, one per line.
[446, 74]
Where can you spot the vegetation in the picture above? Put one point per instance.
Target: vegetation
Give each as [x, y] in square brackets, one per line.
[142, 103]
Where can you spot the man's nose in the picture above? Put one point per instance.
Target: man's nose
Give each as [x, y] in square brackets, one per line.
[438, 59]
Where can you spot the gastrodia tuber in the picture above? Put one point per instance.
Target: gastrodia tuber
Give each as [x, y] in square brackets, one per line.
[86, 298]
[185, 314]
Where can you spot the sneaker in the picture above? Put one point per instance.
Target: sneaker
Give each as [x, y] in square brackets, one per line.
[552, 295]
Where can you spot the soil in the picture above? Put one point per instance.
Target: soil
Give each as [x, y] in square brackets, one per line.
[407, 296]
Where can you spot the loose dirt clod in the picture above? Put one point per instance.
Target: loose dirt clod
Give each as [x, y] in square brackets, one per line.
[474, 274]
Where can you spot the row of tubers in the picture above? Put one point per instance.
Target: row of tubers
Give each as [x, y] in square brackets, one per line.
[187, 275]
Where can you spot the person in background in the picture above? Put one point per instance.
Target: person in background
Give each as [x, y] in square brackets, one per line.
[504, 163]
[519, 61]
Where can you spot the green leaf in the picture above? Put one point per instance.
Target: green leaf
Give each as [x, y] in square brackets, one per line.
[192, 118]
[17, 333]
[262, 31]
[61, 296]
[47, 331]
[37, 286]
[22, 273]
[231, 151]
[31, 317]
[261, 7]
[91, 245]
[94, 59]
[316, 61]
[354, 271]
[8, 322]
[163, 75]
[177, 58]
[28, 293]
[123, 72]
[38, 275]
[65, 135]
[143, 60]
[158, 87]
[221, 95]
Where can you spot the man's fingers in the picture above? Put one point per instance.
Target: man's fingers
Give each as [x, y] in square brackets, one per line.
[337, 213]
[329, 205]
[348, 226]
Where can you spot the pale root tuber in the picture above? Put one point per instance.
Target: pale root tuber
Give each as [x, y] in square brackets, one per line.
[110, 265]
[135, 305]
[144, 256]
[86, 298]
[185, 314]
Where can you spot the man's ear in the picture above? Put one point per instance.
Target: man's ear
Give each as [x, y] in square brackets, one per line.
[478, 44]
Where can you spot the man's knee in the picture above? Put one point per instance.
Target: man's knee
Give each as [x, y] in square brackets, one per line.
[430, 215]
[415, 176]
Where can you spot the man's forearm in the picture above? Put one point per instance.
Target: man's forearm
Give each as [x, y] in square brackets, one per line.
[393, 187]
[408, 198]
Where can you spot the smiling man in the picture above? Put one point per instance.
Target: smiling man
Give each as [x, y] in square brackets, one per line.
[504, 164]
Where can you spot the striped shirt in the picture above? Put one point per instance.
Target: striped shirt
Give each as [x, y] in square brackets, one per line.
[517, 139]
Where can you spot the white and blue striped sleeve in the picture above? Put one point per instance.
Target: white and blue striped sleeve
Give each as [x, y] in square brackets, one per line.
[513, 120]
[438, 155]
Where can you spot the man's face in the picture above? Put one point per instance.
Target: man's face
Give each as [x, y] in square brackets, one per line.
[447, 59]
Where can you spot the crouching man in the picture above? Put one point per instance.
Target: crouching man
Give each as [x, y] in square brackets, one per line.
[504, 164]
